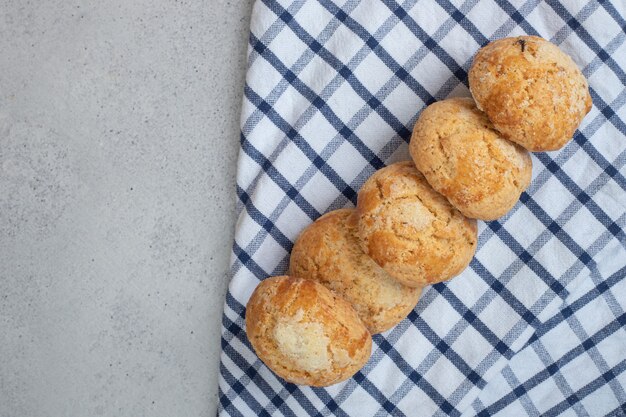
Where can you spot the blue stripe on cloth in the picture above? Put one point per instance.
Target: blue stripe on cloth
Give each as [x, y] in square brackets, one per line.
[302, 144]
[459, 72]
[353, 81]
[373, 42]
[321, 105]
[518, 15]
[545, 374]
[588, 389]
[278, 178]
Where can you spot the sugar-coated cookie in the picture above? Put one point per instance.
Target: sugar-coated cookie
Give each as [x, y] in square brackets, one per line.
[411, 230]
[532, 92]
[464, 158]
[328, 251]
[305, 333]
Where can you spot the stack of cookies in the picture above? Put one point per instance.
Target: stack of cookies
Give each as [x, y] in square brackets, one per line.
[358, 272]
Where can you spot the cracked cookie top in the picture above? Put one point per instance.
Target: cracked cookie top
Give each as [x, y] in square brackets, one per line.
[305, 333]
[464, 158]
[328, 251]
[410, 230]
[532, 92]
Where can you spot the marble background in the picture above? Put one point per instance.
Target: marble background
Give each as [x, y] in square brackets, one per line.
[118, 148]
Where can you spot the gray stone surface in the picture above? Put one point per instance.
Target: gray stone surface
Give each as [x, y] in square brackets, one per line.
[118, 148]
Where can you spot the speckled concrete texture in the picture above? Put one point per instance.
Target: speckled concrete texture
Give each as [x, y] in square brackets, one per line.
[118, 146]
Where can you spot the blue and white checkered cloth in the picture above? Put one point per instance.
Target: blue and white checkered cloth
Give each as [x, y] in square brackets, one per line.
[537, 324]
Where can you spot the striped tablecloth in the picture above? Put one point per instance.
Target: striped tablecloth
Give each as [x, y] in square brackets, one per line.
[537, 324]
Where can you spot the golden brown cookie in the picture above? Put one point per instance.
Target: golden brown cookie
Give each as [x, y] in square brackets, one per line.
[464, 158]
[328, 251]
[532, 92]
[305, 333]
[411, 230]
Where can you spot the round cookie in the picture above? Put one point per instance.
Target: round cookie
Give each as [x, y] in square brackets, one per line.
[328, 251]
[532, 92]
[305, 333]
[464, 158]
[411, 230]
